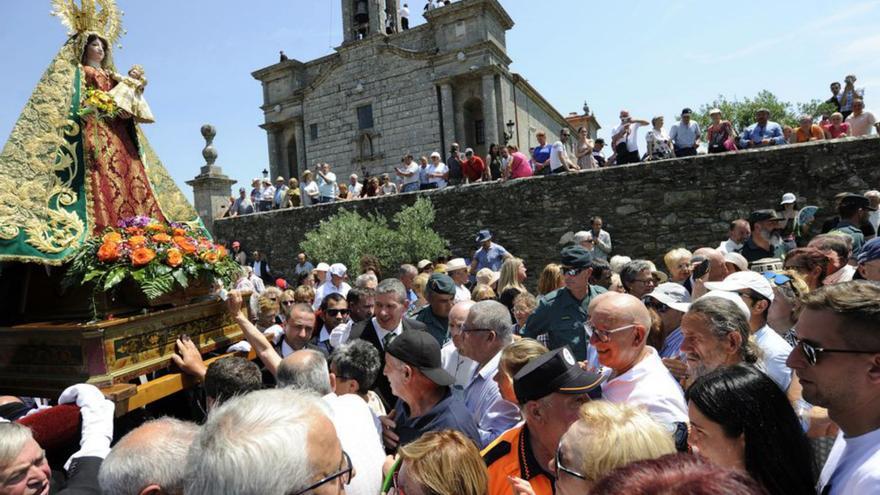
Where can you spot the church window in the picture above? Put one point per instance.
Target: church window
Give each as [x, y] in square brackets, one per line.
[313, 132]
[480, 131]
[365, 117]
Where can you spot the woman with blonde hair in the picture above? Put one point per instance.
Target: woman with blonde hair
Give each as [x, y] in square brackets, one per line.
[513, 358]
[310, 189]
[293, 196]
[304, 294]
[678, 262]
[419, 284]
[482, 292]
[442, 463]
[551, 279]
[510, 281]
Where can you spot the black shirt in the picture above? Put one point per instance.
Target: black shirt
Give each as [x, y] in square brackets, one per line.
[752, 252]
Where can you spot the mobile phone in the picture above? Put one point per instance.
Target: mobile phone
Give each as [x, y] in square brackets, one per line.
[701, 266]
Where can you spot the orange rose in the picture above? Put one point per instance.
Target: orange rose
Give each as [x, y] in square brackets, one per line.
[133, 230]
[114, 237]
[179, 232]
[142, 256]
[162, 238]
[221, 251]
[156, 227]
[174, 257]
[137, 241]
[108, 252]
[185, 244]
[210, 257]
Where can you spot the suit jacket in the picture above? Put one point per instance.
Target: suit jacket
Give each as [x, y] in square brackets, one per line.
[81, 479]
[364, 330]
[264, 272]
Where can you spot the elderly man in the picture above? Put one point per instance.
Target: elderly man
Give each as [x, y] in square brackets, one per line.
[716, 334]
[618, 328]
[407, 275]
[354, 187]
[460, 367]
[550, 390]
[387, 324]
[485, 334]
[336, 284]
[738, 232]
[685, 135]
[245, 447]
[764, 241]
[489, 255]
[473, 168]
[561, 314]
[267, 195]
[298, 330]
[416, 375]
[836, 359]
[23, 465]
[242, 204]
[280, 192]
[149, 460]
[327, 187]
[637, 278]
[869, 260]
[440, 293]
[670, 301]
[625, 138]
[757, 292]
[262, 270]
[762, 133]
[307, 370]
[457, 269]
[303, 265]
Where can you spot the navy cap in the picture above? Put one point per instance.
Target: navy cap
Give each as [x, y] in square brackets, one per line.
[763, 215]
[440, 283]
[686, 111]
[483, 236]
[870, 251]
[420, 350]
[551, 372]
[575, 257]
[857, 200]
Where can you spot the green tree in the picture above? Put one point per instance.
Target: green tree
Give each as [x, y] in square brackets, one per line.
[741, 113]
[816, 109]
[348, 235]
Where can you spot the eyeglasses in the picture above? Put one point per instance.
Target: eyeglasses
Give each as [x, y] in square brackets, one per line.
[572, 272]
[812, 352]
[561, 467]
[605, 335]
[646, 281]
[344, 473]
[336, 312]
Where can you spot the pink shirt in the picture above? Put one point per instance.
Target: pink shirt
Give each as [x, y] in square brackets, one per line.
[519, 166]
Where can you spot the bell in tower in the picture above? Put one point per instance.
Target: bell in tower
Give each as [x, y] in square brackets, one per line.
[361, 12]
[363, 18]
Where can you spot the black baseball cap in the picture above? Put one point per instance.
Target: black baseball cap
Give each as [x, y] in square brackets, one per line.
[763, 215]
[554, 371]
[686, 111]
[420, 350]
[857, 200]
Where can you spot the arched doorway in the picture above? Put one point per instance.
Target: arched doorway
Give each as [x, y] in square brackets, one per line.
[474, 126]
[293, 168]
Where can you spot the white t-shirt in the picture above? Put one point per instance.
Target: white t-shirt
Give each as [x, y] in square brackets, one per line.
[358, 437]
[355, 189]
[328, 288]
[861, 125]
[729, 246]
[774, 353]
[558, 149]
[461, 294]
[308, 190]
[650, 385]
[328, 187]
[440, 168]
[853, 466]
[413, 169]
[632, 140]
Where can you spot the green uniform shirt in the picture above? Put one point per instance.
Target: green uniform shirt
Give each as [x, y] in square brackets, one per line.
[851, 230]
[562, 318]
[437, 327]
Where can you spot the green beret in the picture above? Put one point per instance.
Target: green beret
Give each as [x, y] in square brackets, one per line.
[440, 283]
[576, 257]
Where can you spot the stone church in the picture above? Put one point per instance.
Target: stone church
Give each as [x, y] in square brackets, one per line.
[381, 96]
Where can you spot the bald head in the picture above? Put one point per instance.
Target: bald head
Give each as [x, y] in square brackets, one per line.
[305, 369]
[461, 309]
[622, 308]
[717, 267]
[620, 325]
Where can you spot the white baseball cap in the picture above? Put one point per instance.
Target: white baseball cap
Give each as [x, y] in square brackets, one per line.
[731, 296]
[338, 270]
[788, 198]
[673, 295]
[744, 280]
[322, 267]
[738, 260]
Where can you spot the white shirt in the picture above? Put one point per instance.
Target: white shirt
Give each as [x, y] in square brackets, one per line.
[632, 140]
[555, 161]
[650, 385]
[355, 189]
[412, 168]
[461, 368]
[268, 194]
[774, 353]
[328, 288]
[381, 332]
[853, 466]
[863, 124]
[404, 12]
[440, 168]
[874, 219]
[729, 246]
[845, 274]
[309, 190]
[328, 187]
[461, 294]
[359, 438]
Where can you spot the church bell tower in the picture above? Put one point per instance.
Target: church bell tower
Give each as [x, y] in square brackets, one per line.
[363, 18]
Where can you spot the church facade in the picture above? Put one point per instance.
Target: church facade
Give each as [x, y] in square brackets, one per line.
[381, 96]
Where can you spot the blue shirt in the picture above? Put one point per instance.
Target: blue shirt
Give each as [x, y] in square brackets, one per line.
[448, 414]
[493, 414]
[754, 132]
[542, 153]
[491, 258]
[672, 344]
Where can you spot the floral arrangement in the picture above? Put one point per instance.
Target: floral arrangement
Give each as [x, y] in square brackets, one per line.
[156, 255]
[99, 103]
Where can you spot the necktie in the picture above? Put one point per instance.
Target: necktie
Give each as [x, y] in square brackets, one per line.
[387, 339]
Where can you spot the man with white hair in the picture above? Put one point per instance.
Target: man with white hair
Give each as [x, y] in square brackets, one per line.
[336, 284]
[486, 332]
[874, 215]
[584, 238]
[307, 370]
[460, 367]
[269, 442]
[149, 460]
[354, 187]
[438, 172]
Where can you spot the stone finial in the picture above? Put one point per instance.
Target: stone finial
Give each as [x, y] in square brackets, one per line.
[210, 154]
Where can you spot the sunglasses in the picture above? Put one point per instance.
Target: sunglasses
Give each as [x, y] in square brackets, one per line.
[336, 312]
[605, 335]
[344, 473]
[572, 272]
[561, 467]
[812, 352]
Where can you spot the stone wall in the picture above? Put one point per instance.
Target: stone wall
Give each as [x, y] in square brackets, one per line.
[648, 208]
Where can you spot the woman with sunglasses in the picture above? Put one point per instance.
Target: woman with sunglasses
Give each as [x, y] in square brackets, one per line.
[440, 463]
[788, 287]
[605, 436]
[740, 418]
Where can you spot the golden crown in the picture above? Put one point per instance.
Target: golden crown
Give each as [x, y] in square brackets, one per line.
[90, 16]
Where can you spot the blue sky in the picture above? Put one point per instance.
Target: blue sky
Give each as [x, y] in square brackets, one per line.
[653, 58]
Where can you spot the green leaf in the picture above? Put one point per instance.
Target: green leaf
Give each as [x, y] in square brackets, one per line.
[93, 275]
[162, 269]
[139, 275]
[158, 286]
[181, 278]
[115, 276]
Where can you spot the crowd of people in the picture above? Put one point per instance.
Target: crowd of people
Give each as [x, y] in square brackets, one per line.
[506, 162]
[750, 367]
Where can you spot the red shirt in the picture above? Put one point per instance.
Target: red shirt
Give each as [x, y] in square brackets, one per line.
[836, 133]
[473, 169]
